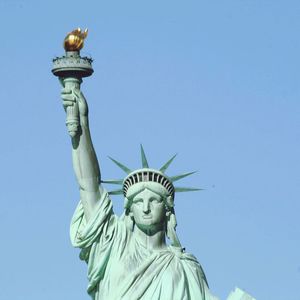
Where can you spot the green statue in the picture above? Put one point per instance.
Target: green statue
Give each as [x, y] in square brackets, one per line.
[128, 257]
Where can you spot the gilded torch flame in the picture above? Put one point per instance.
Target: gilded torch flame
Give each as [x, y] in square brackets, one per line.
[74, 40]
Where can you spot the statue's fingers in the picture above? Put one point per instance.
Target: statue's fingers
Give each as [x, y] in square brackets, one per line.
[66, 91]
[68, 97]
[68, 103]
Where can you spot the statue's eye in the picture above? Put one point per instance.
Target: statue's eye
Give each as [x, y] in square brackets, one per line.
[155, 200]
[137, 201]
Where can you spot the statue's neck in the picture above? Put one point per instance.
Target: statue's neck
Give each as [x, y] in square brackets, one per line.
[152, 239]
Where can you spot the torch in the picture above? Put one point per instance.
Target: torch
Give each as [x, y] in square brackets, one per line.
[70, 69]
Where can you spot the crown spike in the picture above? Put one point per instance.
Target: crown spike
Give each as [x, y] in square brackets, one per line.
[177, 177]
[116, 192]
[186, 189]
[113, 181]
[144, 158]
[166, 165]
[124, 168]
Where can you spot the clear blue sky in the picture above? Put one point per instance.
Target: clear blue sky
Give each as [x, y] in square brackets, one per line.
[215, 81]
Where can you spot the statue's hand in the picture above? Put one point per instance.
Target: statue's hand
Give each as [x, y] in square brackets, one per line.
[70, 97]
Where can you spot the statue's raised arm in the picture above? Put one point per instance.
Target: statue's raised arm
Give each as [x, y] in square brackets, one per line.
[70, 69]
[85, 161]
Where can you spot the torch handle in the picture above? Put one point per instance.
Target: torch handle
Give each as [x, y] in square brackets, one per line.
[72, 120]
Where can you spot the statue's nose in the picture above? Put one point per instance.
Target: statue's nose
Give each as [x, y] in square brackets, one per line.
[146, 208]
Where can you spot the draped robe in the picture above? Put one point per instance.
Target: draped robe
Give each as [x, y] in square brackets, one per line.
[121, 268]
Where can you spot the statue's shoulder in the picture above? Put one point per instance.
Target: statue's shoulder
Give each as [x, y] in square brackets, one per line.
[182, 254]
[188, 261]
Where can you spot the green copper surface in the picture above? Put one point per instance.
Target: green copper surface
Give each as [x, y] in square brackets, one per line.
[123, 167]
[167, 164]
[178, 177]
[144, 159]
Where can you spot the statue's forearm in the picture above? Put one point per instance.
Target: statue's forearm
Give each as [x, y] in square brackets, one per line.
[86, 166]
[85, 161]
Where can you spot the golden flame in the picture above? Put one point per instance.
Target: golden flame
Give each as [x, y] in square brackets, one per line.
[74, 40]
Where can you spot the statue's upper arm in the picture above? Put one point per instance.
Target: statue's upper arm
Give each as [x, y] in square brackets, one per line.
[89, 200]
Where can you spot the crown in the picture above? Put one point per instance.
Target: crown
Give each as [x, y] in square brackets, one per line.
[147, 174]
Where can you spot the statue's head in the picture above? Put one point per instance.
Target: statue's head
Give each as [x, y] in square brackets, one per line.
[148, 203]
[149, 198]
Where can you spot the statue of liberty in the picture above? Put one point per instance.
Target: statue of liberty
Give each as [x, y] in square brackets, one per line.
[128, 257]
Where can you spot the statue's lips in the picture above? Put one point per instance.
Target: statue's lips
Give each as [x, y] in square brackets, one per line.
[147, 217]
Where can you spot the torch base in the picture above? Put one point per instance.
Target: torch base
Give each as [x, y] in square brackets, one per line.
[72, 65]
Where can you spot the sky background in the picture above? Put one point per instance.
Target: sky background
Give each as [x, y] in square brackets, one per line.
[215, 81]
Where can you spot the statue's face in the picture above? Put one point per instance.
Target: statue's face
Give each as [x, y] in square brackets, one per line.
[148, 209]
